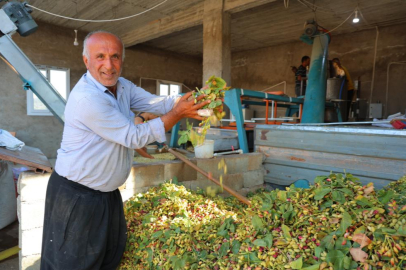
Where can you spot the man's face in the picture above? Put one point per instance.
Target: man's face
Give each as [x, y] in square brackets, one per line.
[105, 58]
[307, 62]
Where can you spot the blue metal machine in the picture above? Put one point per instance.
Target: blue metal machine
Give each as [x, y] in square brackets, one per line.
[234, 102]
[14, 17]
[314, 105]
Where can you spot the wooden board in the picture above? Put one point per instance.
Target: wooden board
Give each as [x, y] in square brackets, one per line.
[350, 141]
[29, 156]
[297, 152]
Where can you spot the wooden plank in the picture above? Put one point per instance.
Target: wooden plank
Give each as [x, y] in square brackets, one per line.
[334, 140]
[234, 6]
[182, 20]
[391, 169]
[29, 156]
[286, 175]
[187, 18]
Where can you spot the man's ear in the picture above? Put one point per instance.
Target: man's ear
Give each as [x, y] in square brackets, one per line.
[86, 61]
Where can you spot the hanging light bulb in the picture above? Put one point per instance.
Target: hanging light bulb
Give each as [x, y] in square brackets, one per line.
[76, 43]
[356, 19]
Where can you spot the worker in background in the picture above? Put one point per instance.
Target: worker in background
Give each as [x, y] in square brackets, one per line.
[341, 71]
[301, 76]
[84, 224]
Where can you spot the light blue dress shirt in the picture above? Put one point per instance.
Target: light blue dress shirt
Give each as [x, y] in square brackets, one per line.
[99, 133]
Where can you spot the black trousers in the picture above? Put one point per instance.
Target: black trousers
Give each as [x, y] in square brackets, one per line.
[83, 228]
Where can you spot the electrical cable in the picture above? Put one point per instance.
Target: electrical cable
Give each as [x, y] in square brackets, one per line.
[335, 28]
[97, 21]
[315, 8]
[362, 16]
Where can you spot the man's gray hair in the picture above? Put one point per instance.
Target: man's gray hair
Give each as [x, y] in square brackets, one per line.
[86, 52]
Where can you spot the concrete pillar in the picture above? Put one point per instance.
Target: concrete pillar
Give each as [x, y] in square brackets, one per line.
[216, 41]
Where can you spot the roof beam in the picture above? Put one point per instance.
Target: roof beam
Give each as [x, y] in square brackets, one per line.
[234, 6]
[182, 20]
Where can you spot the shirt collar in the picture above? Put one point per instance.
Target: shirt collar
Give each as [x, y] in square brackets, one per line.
[101, 87]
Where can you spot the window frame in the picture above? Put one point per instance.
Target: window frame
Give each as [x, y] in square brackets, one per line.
[30, 95]
[159, 82]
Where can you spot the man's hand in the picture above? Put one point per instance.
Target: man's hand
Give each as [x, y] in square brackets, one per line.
[185, 108]
[143, 152]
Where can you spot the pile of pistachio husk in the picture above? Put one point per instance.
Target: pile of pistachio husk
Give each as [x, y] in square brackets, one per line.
[336, 224]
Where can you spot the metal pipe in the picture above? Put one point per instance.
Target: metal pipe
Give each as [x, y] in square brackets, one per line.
[284, 87]
[373, 68]
[340, 123]
[315, 96]
[387, 83]
[239, 151]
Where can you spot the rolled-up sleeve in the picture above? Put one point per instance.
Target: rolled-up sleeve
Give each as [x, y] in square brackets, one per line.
[100, 116]
[144, 101]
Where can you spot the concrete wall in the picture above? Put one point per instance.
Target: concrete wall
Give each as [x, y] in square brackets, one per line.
[53, 46]
[262, 68]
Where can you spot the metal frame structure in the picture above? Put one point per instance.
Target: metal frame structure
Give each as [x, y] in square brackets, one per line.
[32, 78]
[234, 103]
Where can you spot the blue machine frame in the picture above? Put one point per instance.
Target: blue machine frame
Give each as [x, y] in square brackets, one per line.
[233, 101]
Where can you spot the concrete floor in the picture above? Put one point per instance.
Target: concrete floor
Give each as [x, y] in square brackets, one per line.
[9, 239]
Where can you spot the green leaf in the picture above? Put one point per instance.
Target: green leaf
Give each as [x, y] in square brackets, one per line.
[260, 243]
[183, 139]
[202, 255]
[269, 240]
[327, 204]
[385, 196]
[253, 257]
[212, 105]
[150, 255]
[236, 247]
[218, 102]
[319, 179]
[320, 193]
[402, 231]
[327, 242]
[266, 207]
[224, 249]
[157, 234]
[286, 232]
[313, 267]
[342, 247]
[288, 215]
[346, 222]
[347, 191]
[364, 202]
[347, 262]
[336, 257]
[297, 264]
[257, 223]
[318, 251]
[388, 230]
[282, 195]
[338, 196]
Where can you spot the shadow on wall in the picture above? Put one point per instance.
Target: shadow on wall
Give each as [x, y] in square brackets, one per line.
[34, 266]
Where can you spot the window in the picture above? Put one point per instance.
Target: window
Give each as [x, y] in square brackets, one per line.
[59, 78]
[165, 88]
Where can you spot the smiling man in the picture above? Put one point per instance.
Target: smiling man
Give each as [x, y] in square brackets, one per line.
[84, 225]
